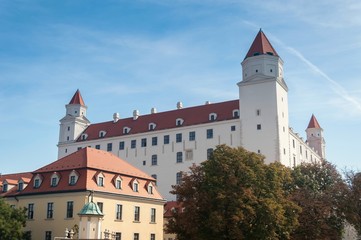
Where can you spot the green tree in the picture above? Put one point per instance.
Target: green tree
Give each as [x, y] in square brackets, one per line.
[12, 221]
[353, 200]
[234, 195]
[319, 189]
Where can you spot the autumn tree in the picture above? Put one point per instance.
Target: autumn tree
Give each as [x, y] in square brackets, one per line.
[352, 202]
[12, 221]
[319, 189]
[234, 195]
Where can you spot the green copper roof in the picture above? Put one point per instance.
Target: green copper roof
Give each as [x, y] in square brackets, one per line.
[91, 208]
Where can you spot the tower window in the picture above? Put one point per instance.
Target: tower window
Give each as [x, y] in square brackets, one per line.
[256, 70]
[233, 128]
[259, 126]
[179, 157]
[258, 112]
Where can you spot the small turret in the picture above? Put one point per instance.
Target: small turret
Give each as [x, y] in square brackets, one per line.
[315, 136]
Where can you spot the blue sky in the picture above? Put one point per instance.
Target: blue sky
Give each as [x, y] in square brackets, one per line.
[126, 55]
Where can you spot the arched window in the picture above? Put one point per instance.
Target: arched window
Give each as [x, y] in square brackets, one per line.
[73, 177]
[212, 117]
[151, 126]
[179, 122]
[102, 134]
[54, 180]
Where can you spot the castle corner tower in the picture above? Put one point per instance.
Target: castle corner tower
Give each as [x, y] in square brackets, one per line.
[315, 137]
[264, 102]
[74, 122]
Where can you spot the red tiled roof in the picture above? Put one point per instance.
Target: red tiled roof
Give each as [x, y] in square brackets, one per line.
[313, 122]
[88, 163]
[15, 177]
[77, 99]
[260, 46]
[170, 207]
[163, 120]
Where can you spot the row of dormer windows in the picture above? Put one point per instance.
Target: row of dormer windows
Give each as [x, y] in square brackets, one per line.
[152, 126]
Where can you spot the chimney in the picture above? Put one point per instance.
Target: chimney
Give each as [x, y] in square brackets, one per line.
[116, 117]
[179, 105]
[207, 103]
[135, 114]
[153, 110]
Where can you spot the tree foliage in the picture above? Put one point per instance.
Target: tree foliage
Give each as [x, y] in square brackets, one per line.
[234, 195]
[12, 221]
[319, 190]
[353, 200]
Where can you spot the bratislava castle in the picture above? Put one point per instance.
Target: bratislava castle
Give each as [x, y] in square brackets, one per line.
[165, 144]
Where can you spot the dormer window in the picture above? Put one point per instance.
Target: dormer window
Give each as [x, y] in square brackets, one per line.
[212, 116]
[151, 126]
[54, 180]
[84, 136]
[179, 122]
[37, 181]
[135, 186]
[118, 182]
[126, 130]
[20, 185]
[150, 188]
[235, 113]
[102, 134]
[73, 178]
[5, 187]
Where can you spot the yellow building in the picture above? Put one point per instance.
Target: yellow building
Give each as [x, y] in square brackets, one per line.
[130, 205]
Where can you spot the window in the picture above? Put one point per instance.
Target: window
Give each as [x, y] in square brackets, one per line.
[189, 154]
[100, 205]
[151, 126]
[79, 148]
[166, 139]
[143, 142]
[72, 180]
[212, 117]
[20, 186]
[300, 149]
[97, 146]
[136, 213]
[293, 143]
[49, 213]
[152, 236]
[259, 127]
[118, 236]
[126, 130]
[135, 186]
[178, 137]
[233, 128]
[154, 159]
[152, 215]
[73, 177]
[179, 157]
[31, 211]
[179, 122]
[154, 141]
[209, 133]
[102, 134]
[48, 235]
[136, 236]
[68, 128]
[109, 147]
[192, 136]
[178, 178]
[118, 184]
[121, 145]
[155, 177]
[69, 209]
[84, 136]
[133, 143]
[100, 181]
[235, 113]
[37, 181]
[144, 163]
[119, 211]
[150, 189]
[54, 180]
[209, 153]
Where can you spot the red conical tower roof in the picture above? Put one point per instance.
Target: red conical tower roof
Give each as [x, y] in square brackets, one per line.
[77, 99]
[313, 123]
[261, 46]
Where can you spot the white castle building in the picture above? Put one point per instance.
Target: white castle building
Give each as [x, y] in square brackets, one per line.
[165, 144]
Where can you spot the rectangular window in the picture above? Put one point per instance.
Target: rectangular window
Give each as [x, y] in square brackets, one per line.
[109, 147]
[300, 149]
[154, 159]
[154, 141]
[54, 181]
[136, 214]
[209, 152]
[118, 184]
[293, 143]
[152, 236]
[136, 236]
[179, 157]
[69, 209]
[152, 215]
[31, 211]
[258, 112]
[118, 215]
[178, 178]
[192, 136]
[97, 146]
[72, 180]
[100, 181]
[144, 142]
[259, 127]
[178, 137]
[189, 154]
[133, 143]
[49, 213]
[166, 139]
[48, 235]
[233, 128]
[118, 236]
[20, 186]
[121, 145]
[100, 205]
[209, 133]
